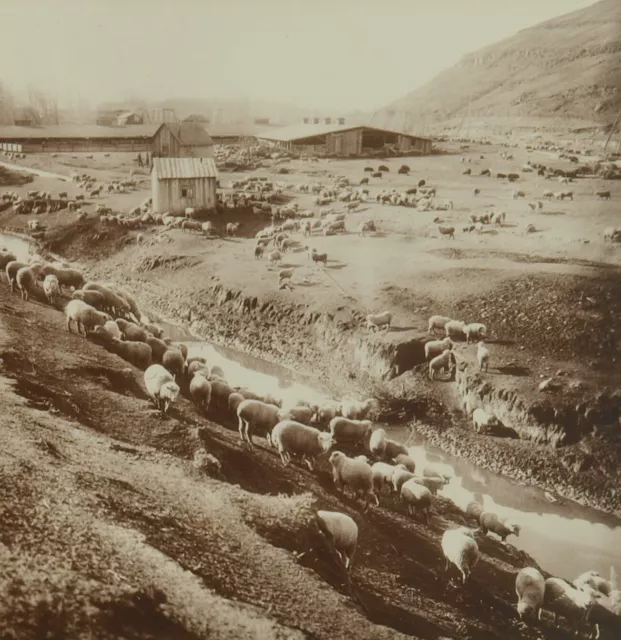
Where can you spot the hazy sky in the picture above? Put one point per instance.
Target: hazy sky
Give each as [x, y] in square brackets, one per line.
[327, 54]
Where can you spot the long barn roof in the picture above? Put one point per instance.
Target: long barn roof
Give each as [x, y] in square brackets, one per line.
[86, 131]
[302, 131]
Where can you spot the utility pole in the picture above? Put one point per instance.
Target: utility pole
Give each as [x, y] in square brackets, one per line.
[612, 129]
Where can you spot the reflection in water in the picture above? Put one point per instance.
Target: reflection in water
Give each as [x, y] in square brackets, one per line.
[19, 247]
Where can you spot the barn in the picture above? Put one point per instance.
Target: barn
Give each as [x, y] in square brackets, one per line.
[344, 140]
[182, 140]
[179, 183]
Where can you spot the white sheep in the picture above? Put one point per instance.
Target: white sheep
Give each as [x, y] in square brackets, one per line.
[437, 322]
[417, 497]
[436, 347]
[200, 390]
[356, 409]
[455, 328]
[295, 438]
[274, 257]
[405, 461]
[342, 532]
[530, 587]
[459, 548]
[353, 431]
[592, 580]
[483, 421]
[382, 476]
[490, 523]
[112, 328]
[474, 331]
[355, 474]
[400, 476]
[560, 598]
[379, 320]
[26, 279]
[441, 362]
[377, 443]
[482, 356]
[253, 414]
[85, 317]
[433, 483]
[51, 288]
[161, 387]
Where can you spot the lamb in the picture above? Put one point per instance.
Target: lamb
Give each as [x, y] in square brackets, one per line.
[474, 331]
[406, 461]
[94, 298]
[382, 474]
[455, 327]
[161, 387]
[437, 322]
[447, 231]
[174, 362]
[294, 438]
[355, 474]
[378, 320]
[490, 522]
[26, 279]
[356, 410]
[416, 498]
[200, 390]
[136, 353]
[436, 347]
[377, 443]
[441, 362]
[560, 598]
[85, 317]
[131, 331]
[482, 356]
[459, 548]
[51, 288]
[253, 415]
[483, 421]
[341, 530]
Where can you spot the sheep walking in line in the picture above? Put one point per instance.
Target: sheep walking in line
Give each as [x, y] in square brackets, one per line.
[482, 356]
[161, 387]
[200, 390]
[51, 288]
[437, 322]
[400, 476]
[417, 498]
[460, 549]
[475, 331]
[274, 257]
[137, 353]
[341, 531]
[297, 439]
[382, 474]
[490, 523]
[436, 347]
[254, 415]
[26, 279]
[405, 461]
[353, 474]
[455, 328]
[593, 581]
[444, 362]
[561, 599]
[351, 431]
[85, 317]
[379, 320]
[447, 231]
[530, 587]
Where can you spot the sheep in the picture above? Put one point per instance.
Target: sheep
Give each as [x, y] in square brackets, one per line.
[298, 413]
[482, 356]
[560, 598]
[476, 192]
[158, 332]
[548, 195]
[51, 288]
[441, 362]
[220, 392]
[285, 274]
[382, 474]
[137, 353]
[459, 548]
[161, 387]
[352, 431]
[158, 346]
[369, 225]
[253, 415]
[131, 332]
[455, 327]
[258, 252]
[355, 474]
[319, 257]
[174, 361]
[231, 228]
[518, 194]
[26, 279]
[447, 231]
[6, 257]
[235, 399]
[294, 438]
[111, 328]
[377, 443]
[433, 483]
[357, 410]
[11, 270]
[416, 498]
[474, 510]
[94, 298]
[490, 523]
[405, 460]
[437, 322]
[375, 321]
[400, 476]
[84, 316]
[180, 346]
[474, 331]
[112, 301]
[326, 412]
[436, 347]
[197, 365]
[592, 580]
[125, 295]
[483, 421]
[200, 390]
[341, 530]
[274, 257]
[603, 195]
[66, 277]
[392, 449]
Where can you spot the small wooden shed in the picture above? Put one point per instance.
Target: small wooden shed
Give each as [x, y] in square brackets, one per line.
[179, 183]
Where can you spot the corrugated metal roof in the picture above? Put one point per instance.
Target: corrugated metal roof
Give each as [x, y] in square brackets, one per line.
[175, 168]
[302, 131]
[78, 131]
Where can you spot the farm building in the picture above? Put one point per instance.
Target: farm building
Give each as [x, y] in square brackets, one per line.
[179, 183]
[182, 140]
[129, 117]
[236, 133]
[343, 140]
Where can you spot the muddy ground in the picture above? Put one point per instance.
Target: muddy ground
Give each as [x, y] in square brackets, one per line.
[109, 529]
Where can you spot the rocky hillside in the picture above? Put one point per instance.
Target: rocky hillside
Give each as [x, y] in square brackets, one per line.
[565, 68]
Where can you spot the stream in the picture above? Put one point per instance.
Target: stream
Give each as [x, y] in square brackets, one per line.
[564, 537]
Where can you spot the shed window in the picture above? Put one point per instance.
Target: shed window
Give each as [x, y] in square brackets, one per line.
[186, 192]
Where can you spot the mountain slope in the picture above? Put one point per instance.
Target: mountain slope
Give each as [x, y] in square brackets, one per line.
[567, 67]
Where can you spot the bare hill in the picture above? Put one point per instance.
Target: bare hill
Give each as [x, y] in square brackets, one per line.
[565, 68]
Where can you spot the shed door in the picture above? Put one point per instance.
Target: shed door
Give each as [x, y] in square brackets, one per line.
[187, 193]
[338, 143]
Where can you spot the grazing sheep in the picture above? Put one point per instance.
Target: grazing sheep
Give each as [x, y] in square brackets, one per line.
[369, 225]
[382, 474]
[161, 387]
[158, 346]
[491, 523]
[158, 332]
[377, 443]
[437, 322]
[319, 257]
[455, 327]
[392, 449]
[94, 298]
[447, 231]
[112, 329]
[416, 498]
[406, 461]
[256, 415]
[475, 331]
[530, 587]
[603, 195]
[355, 474]
[125, 295]
[436, 347]
[220, 392]
[378, 320]
[174, 362]
[137, 353]
[285, 274]
[560, 598]
[474, 510]
[442, 362]
[131, 332]
[400, 476]
[326, 412]
[459, 548]
[353, 431]
[112, 301]
[341, 530]
[298, 413]
[85, 317]
[294, 438]
[66, 277]
[200, 390]
[194, 366]
[51, 288]
[274, 257]
[482, 356]
[26, 279]
[356, 409]
[231, 228]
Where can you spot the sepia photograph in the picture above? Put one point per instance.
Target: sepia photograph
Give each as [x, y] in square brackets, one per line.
[310, 320]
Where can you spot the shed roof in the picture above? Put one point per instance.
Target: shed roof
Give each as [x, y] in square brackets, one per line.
[302, 131]
[182, 168]
[190, 134]
[127, 114]
[77, 131]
